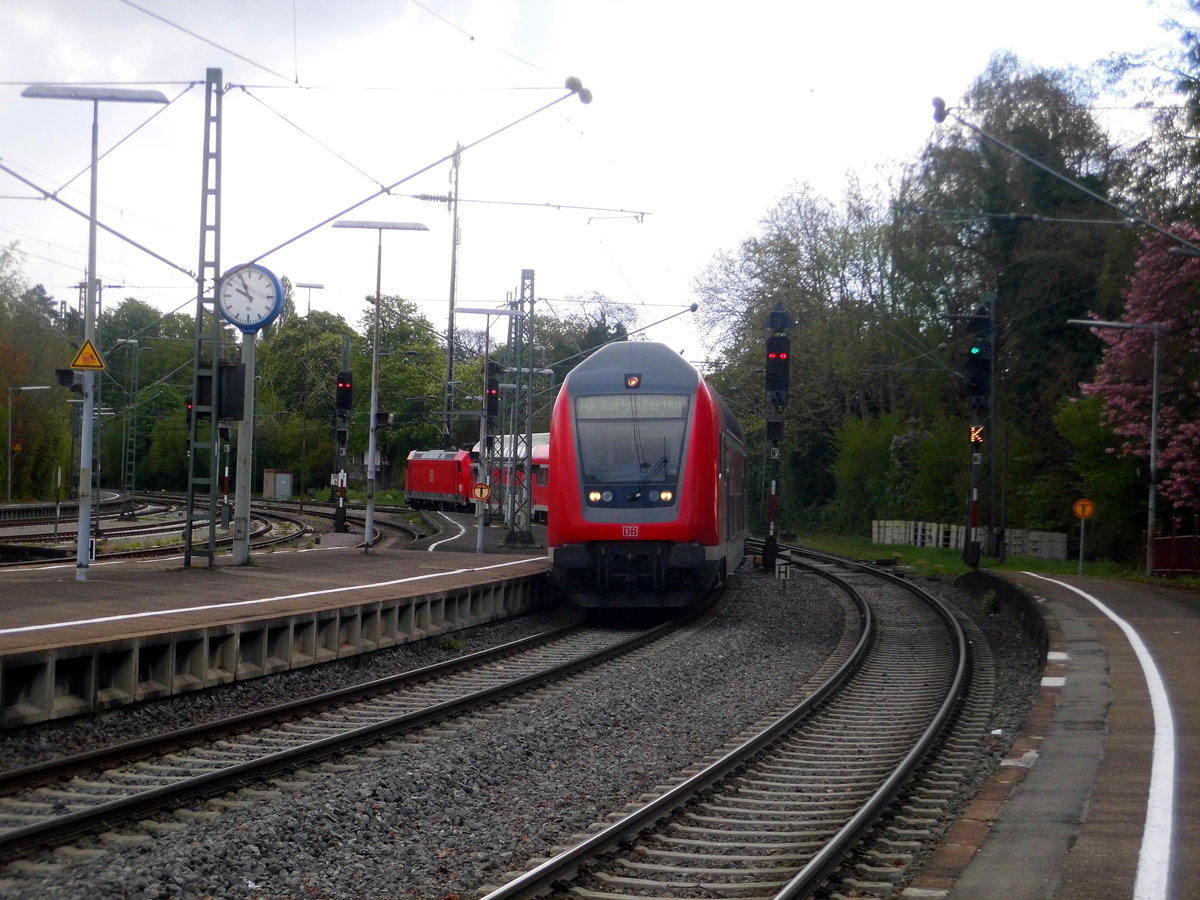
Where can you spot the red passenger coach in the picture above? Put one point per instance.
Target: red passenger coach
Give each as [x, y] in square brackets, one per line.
[439, 479]
[648, 492]
[540, 463]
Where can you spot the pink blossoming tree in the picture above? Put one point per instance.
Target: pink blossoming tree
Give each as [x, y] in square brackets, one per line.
[1164, 290]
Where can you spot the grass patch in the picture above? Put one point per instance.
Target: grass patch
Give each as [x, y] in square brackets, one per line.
[454, 645]
[937, 562]
[391, 497]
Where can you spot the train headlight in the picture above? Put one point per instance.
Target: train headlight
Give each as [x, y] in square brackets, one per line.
[666, 496]
[593, 496]
[606, 496]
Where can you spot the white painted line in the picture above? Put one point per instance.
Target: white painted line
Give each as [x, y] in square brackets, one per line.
[50, 567]
[1154, 858]
[1053, 681]
[461, 531]
[1057, 656]
[141, 560]
[353, 587]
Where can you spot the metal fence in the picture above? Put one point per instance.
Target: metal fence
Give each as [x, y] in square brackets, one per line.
[1018, 541]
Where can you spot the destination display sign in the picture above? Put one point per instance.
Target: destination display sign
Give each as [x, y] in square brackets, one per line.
[626, 406]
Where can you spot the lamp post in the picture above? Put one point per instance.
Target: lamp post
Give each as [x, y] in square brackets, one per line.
[311, 287]
[96, 96]
[31, 387]
[380, 227]
[1152, 502]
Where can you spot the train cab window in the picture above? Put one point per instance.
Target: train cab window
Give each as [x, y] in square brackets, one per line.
[631, 438]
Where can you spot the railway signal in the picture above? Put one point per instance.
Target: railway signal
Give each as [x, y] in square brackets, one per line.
[779, 352]
[69, 378]
[345, 394]
[493, 397]
[491, 393]
[979, 359]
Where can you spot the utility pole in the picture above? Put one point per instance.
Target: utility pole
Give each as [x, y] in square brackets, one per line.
[447, 431]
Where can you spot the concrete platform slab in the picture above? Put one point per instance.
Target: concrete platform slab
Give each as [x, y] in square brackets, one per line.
[139, 630]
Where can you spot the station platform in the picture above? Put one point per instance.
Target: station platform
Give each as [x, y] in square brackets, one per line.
[136, 630]
[1100, 795]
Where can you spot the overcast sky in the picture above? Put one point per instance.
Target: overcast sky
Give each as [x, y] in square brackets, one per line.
[704, 113]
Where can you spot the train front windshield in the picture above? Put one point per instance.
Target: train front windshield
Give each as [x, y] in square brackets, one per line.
[633, 440]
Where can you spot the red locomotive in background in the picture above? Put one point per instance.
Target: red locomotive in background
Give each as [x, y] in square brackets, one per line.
[442, 479]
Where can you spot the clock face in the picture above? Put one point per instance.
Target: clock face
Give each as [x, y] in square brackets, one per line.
[250, 297]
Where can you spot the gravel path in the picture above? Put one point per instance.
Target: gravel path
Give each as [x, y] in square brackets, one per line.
[451, 814]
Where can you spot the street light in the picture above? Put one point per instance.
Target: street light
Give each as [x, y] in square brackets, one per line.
[381, 227]
[31, 387]
[311, 287]
[96, 96]
[1152, 503]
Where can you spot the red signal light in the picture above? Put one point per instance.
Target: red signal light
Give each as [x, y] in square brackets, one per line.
[492, 393]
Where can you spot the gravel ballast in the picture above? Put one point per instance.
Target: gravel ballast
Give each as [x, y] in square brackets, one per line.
[455, 811]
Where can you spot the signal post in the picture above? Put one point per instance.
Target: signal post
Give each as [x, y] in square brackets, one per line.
[345, 399]
[779, 352]
[979, 398]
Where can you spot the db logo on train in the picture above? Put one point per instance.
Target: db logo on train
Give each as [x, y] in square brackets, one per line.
[629, 531]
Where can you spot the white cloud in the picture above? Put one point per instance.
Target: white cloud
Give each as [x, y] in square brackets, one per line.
[703, 115]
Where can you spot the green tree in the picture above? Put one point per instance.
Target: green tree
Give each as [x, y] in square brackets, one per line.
[1105, 477]
[863, 469]
[411, 395]
[147, 356]
[992, 221]
[31, 347]
[297, 365]
[162, 461]
[1163, 294]
[827, 265]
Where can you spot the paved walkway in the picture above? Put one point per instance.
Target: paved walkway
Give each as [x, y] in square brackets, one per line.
[1100, 797]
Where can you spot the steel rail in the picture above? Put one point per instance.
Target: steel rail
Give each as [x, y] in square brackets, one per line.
[552, 874]
[828, 858]
[546, 876]
[19, 841]
[51, 769]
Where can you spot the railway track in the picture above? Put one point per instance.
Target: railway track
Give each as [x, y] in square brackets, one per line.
[57, 802]
[272, 524]
[778, 813]
[266, 530]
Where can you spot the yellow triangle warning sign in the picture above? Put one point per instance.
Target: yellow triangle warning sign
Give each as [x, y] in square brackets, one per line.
[87, 357]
